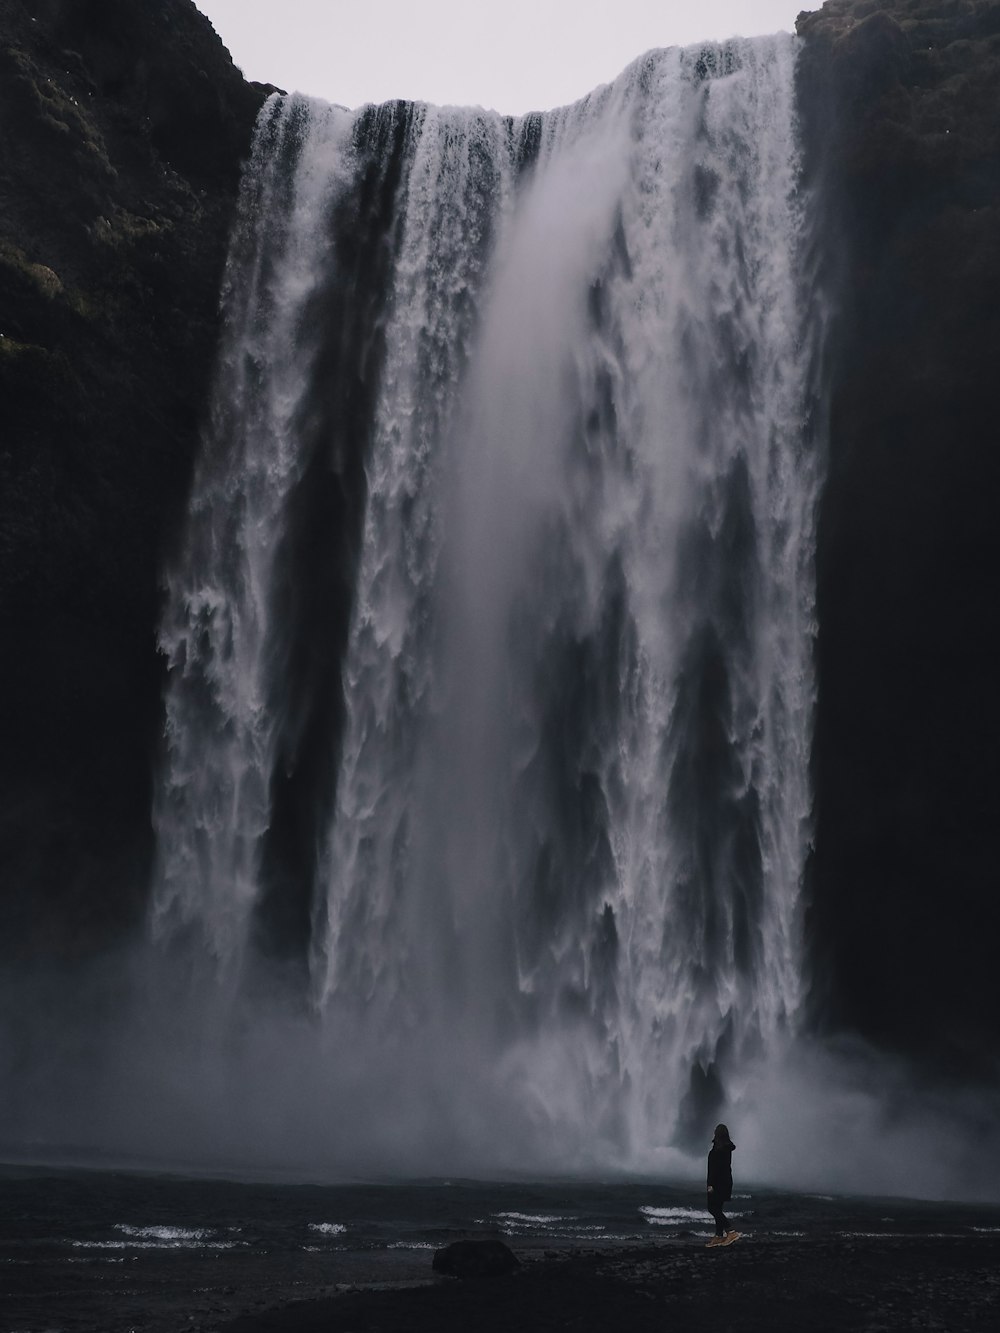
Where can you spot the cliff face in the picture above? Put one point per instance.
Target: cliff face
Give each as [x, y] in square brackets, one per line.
[122, 129]
[902, 102]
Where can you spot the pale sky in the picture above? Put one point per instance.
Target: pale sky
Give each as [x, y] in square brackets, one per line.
[515, 56]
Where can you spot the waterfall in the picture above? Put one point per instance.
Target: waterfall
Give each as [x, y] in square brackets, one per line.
[490, 638]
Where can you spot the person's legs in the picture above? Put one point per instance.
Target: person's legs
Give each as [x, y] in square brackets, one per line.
[721, 1223]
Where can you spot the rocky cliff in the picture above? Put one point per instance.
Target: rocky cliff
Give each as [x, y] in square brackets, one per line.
[902, 106]
[122, 129]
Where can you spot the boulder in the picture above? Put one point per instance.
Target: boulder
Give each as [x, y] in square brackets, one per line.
[475, 1259]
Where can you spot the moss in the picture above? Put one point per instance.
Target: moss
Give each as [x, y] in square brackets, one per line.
[54, 109]
[17, 263]
[123, 228]
[12, 349]
[34, 295]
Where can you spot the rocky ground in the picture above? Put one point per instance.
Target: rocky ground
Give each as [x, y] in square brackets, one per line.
[764, 1284]
[116, 1251]
[814, 1283]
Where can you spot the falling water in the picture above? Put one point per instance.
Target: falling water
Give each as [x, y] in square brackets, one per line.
[490, 641]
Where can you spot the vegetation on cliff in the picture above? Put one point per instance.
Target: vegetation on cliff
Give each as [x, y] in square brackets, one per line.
[122, 129]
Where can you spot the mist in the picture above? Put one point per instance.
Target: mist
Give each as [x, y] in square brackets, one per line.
[118, 1067]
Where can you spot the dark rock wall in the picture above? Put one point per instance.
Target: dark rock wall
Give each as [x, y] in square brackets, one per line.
[902, 100]
[122, 129]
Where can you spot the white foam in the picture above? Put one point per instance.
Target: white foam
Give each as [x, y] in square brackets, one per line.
[553, 1225]
[164, 1233]
[154, 1244]
[328, 1228]
[663, 1217]
[899, 1235]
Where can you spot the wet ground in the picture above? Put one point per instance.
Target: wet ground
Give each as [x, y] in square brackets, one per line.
[87, 1250]
[755, 1286]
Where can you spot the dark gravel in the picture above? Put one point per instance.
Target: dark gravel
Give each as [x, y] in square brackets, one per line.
[834, 1284]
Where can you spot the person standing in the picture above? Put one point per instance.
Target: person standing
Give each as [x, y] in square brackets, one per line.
[720, 1185]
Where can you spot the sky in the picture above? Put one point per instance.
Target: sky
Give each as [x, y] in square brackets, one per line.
[521, 55]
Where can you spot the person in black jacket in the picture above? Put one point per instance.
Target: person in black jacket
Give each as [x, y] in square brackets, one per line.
[720, 1184]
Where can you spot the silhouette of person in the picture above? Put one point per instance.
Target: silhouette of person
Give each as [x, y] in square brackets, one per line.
[720, 1184]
